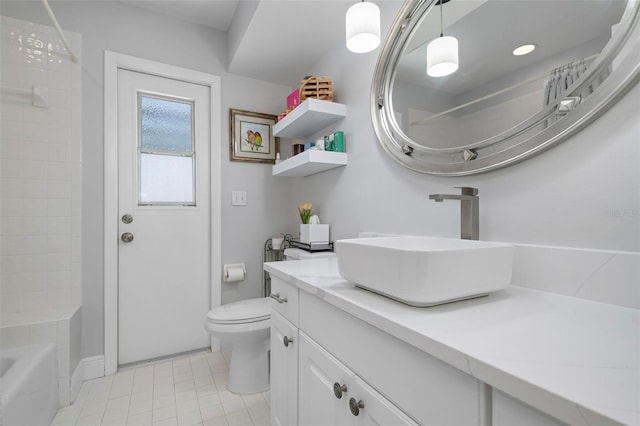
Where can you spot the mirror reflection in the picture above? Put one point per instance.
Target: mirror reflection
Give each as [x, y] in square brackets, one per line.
[495, 89]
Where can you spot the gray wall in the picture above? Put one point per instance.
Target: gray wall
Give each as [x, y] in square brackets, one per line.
[121, 28]
[582, 193]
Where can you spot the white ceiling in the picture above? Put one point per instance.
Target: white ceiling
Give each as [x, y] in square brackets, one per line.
[272, 40]
[488, 34]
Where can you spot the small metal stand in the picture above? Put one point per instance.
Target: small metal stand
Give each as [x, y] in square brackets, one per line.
[313, 247]
[273, 255]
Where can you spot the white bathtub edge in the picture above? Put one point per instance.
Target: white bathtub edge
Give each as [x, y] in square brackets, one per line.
[76, 381]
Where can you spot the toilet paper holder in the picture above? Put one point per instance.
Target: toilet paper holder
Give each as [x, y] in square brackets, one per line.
[234, 272]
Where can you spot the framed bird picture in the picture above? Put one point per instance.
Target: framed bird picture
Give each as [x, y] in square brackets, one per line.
[251, 137]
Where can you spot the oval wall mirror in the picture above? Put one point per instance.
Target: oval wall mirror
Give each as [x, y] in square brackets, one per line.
[499, 108]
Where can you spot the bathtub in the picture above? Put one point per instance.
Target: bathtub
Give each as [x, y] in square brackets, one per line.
[29, 385]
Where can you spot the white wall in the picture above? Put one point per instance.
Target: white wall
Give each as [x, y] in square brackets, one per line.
[582, 193]
[121, 28]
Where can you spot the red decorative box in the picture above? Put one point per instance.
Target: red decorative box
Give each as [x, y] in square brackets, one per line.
[293, 100]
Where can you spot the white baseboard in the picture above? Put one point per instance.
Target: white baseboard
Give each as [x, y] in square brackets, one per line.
[93, 367]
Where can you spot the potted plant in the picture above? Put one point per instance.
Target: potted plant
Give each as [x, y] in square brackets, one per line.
[311, 230]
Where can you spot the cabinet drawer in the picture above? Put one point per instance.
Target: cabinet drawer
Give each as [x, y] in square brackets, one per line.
[427, 389]
[284, 299]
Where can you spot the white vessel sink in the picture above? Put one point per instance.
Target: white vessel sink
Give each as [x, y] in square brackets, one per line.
[425, 271]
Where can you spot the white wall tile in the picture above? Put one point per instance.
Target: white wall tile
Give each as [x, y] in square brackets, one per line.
[33, 114]
[12, 303]
[34, 225]
[59, 280]
[10, 224]
[11, 130]
[34, 244]
[59, 207]
[34, 281]
[36, 77]
[34, 169]
[44, 332]
[34, 207]
[58, 171]
[34, 188]
[34, 263]
[11, 168]
[35, 301]
[60, 150]
[59, 226]
[11, 264]
[36, 151]
[11, 337]
[58, 262]
[11, 284]
[11, 188]
[11, 149]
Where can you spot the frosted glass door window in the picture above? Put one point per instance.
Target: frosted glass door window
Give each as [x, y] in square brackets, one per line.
[166, 155]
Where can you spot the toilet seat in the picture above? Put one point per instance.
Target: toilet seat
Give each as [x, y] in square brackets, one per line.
[242, 312]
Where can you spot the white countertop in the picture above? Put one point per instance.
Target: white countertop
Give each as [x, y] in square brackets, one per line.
[574, 359]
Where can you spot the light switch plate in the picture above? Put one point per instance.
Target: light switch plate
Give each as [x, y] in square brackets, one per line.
[238, 198]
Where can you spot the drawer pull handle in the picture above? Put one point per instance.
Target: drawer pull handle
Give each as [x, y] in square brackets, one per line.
[339, 389]
[277, 298]
[286, 341]
[355, 406]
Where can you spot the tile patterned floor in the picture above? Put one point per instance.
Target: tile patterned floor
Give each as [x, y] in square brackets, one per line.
[184, 391]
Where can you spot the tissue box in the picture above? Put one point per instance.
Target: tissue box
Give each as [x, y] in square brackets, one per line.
[318, 233]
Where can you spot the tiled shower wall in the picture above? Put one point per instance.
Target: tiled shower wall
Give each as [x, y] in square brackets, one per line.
[41, 171]
[40, 193]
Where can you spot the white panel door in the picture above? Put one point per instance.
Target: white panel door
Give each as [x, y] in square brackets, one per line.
[318, 373]
[164, 188]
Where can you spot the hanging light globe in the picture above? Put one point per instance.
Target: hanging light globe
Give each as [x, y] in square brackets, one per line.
[363, 27]
[442, 56]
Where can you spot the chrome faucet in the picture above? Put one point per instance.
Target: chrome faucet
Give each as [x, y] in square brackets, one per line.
[469, 211]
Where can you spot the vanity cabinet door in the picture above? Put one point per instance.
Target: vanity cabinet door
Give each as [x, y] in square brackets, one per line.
[371, 408]
[284, 371]
[318, 401]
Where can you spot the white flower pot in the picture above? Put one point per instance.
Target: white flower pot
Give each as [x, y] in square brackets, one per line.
[318, 233]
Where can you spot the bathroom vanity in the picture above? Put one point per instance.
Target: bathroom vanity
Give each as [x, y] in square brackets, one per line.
[343, 355]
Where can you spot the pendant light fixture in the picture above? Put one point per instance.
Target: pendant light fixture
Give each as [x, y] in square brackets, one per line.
[363, 27]
[442, 52]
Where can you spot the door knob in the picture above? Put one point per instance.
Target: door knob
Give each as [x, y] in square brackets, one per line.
[339, 389]
[355, 406]
[127, 237]
[287, 340]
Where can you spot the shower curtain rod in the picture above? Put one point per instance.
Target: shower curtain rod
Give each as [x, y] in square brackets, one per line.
[491, 95]
[73, 57]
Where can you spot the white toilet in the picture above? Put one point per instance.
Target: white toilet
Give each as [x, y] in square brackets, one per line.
[246, 325]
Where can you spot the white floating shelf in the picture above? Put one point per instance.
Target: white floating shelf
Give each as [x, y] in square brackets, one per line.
[309, 162]
[308, 118]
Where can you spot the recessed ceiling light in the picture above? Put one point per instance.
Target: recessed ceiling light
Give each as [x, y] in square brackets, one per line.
[524, 49]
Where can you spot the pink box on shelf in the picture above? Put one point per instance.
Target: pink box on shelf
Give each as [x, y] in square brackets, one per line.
[293, 100]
